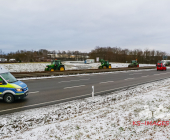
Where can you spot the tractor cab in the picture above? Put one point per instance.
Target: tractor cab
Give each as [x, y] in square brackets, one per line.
[56, 62]
[133, 61]
[159, 62]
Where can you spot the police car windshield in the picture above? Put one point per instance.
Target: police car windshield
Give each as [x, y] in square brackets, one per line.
[8, 77]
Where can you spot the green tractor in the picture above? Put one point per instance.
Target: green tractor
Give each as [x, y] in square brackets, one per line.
[134, 63]
[55, 65]
[104, 64]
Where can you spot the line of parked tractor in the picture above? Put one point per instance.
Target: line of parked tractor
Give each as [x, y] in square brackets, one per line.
[57, 65]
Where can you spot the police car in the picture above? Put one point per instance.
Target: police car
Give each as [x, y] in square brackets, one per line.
[10, 88]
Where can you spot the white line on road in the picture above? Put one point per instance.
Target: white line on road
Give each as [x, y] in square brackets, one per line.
[129, 78]
[73, 80]
[74, 86]
[105, 82]
[145, 76]
[135, 73]
[33, 92]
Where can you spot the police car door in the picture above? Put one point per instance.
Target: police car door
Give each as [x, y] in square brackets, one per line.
[1, 87]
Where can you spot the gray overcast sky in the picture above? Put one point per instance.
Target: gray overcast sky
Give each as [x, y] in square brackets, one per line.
[84, 24]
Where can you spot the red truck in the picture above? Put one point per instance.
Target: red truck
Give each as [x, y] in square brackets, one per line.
[160, 66]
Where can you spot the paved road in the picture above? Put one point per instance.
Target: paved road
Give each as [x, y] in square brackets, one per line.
[55, 90]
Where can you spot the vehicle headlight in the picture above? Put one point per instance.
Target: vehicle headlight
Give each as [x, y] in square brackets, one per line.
[18, 89]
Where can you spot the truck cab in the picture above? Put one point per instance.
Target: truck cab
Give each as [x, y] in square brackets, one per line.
[11, 89]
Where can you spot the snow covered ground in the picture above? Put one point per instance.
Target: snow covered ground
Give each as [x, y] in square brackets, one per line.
[31, 67]
[111, 116]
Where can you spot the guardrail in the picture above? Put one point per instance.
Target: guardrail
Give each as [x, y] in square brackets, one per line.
[72, 72]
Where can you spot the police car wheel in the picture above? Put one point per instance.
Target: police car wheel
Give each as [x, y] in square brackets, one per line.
[9, 98]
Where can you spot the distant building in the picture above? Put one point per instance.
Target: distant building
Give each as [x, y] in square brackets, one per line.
[87, 61]
[66, 56]
[12, 60]
[3, 60]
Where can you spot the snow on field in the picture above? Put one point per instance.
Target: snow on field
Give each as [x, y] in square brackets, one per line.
[111, 116]
[69, 65]
[25, 67]
[119, 65]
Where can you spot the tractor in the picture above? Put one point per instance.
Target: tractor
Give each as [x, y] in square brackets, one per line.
[104, 64]
[133, 63]
[55, 65]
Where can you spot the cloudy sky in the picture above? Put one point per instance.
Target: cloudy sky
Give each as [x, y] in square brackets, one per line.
[84, 24]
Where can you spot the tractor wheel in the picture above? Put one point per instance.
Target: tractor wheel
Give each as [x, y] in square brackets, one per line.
[104, 67]
[110, 66]
[51, 69]
[61, 68]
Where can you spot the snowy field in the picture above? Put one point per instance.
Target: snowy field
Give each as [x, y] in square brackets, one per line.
[69, 65]
[105, 117]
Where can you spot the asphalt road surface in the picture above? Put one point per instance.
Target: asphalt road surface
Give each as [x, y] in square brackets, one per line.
[56, 90]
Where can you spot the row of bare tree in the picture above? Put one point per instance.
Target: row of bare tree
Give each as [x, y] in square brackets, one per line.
[116, 54]
[112, 54]
[43, 55]
[27, 56]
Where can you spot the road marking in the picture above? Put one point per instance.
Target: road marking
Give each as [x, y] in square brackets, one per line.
[105, 82]
[73, 80]
[33, 92]
[145, 76]
[163, 73]
[74, 86]
[129, 78]
[135, 73]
